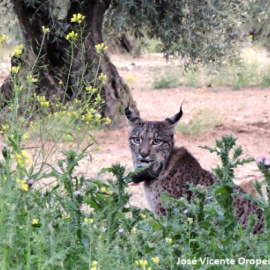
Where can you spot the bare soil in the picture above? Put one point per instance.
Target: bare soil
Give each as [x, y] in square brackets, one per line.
[244, 113]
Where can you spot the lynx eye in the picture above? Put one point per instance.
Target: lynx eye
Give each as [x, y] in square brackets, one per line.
[157, 142]
[136, 140]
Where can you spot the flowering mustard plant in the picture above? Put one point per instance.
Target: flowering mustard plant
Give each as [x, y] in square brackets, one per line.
[72, 36]
[3, 38]
[18, 50]
[77, 18]
[101, 48]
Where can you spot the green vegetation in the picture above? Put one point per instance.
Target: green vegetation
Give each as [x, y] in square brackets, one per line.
[203, 120]
[253, 70]
[53, 218]
[50, 218]
[168, 78]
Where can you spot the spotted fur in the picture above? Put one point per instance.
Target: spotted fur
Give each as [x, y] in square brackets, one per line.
[171, 169]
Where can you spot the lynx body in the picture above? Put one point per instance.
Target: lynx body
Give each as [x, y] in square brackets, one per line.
[171, 169]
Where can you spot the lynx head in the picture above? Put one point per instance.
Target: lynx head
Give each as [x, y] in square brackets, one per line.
[151, 142]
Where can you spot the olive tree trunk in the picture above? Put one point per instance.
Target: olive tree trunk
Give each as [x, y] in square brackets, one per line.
[56, 60]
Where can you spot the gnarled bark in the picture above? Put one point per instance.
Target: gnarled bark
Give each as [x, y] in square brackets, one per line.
[55, 55]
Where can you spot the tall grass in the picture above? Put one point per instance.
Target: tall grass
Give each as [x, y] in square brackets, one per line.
[253, 70]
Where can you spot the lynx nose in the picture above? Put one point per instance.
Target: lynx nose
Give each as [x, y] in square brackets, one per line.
[144, 154]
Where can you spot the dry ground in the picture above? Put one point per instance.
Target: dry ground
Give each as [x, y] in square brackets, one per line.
[244, 113]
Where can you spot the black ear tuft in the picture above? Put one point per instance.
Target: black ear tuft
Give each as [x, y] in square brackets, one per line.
[174, 119]
[131, 116]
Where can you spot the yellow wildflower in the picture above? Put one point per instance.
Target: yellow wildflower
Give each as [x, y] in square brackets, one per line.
[75, 113]
[88, 116]
[22, 158]
[90, 89]
[5, 128]
[35, 221]
[130, 78]
[72, 36]
[25, 137]
[143, 216]
[103, 189]
[155, 260]
[98, 116]
[14, 69]
[101, 48]
[22, 184]
[31, 79]
[110, 192]
[190, 220]
[3, 38]
[142, 263]
[45, 30]
[88, 220]
[102, 77]
[60, 82]
[108, 120]
[65, 216]
[18, 50]
[77, 18]
[94, 263]
[168, 240]
[45, 104]
[98, 99]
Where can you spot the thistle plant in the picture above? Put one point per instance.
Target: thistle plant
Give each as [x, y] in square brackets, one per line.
[229, 160]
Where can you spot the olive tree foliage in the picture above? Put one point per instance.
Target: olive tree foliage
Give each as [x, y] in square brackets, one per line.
[197, 30]
[258, 21]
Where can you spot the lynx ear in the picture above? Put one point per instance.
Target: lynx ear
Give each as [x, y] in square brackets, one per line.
[131, 116]
[175, 118]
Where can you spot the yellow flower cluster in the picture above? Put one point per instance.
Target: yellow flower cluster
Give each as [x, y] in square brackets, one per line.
[65, 216]
[77, 18]
[190, 220]
[102, 78]
[99, 100]
[42, 101]
[72, 36]
[142, 264]
[45, 30]
[3, 38]
[35, 221]
[103, 189]
[91, 114]
[155, 260]
[25, 137]
[143, 216]
[31, 79]
[108, 120]
[14, 69]
[168, 240]
[18, 50]
[94, 263]
[88, 220]
[4, 128]
[22, 158]
[90, 89]
[22, 184]
[101, 48]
